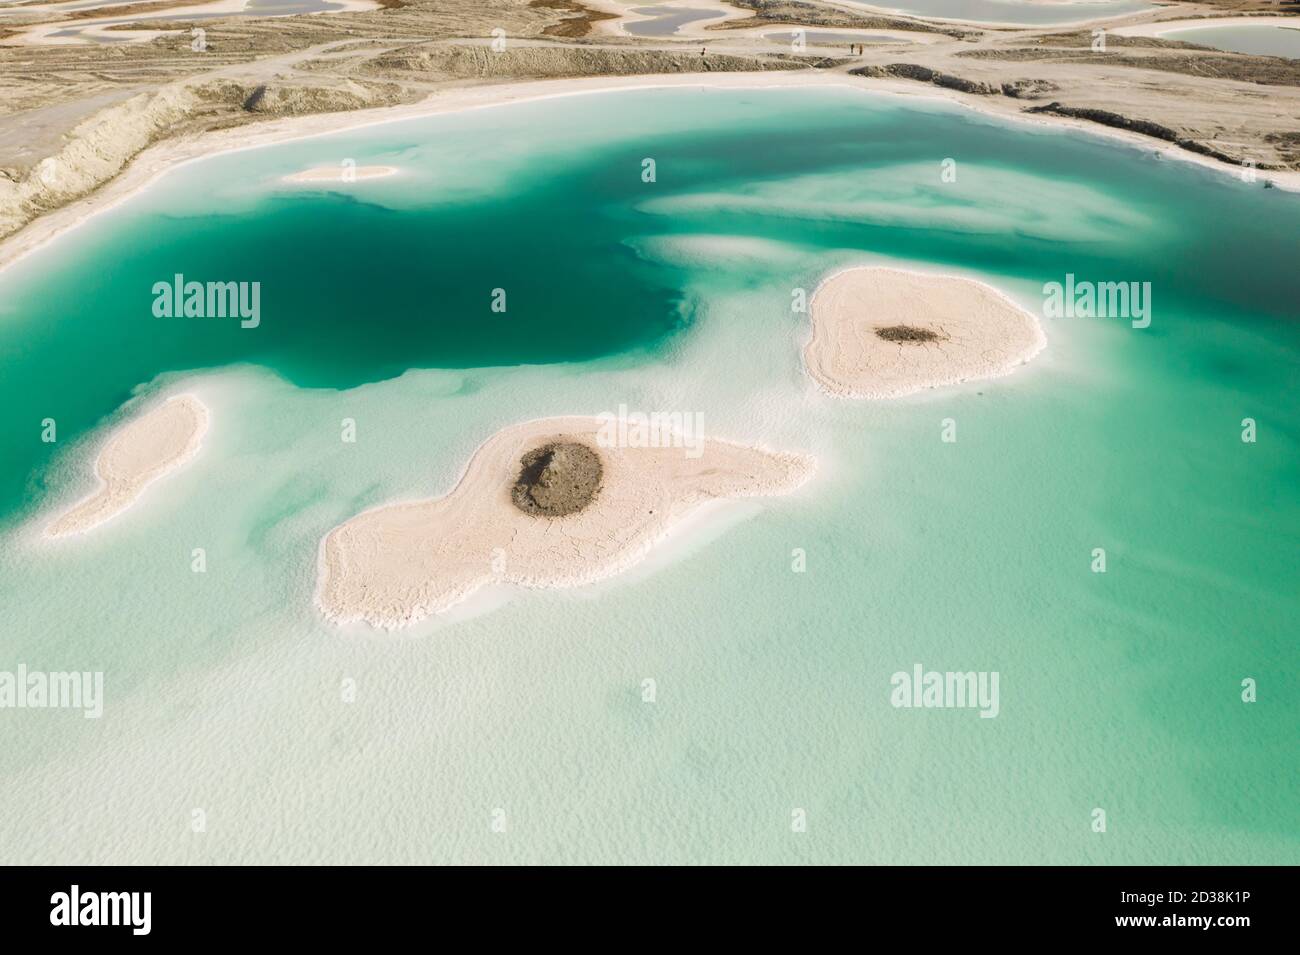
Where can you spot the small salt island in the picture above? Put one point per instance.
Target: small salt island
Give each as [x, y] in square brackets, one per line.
[884, 333]
[340, 173]
[139, 453]
[544, 503]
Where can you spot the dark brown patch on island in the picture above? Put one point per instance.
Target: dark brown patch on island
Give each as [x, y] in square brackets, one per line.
[557, 479]
[908, 334]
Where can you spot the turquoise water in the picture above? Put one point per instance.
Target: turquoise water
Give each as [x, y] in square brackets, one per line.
[1261, 39]
[1119, 691]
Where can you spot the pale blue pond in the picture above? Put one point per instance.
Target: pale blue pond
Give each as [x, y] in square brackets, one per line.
[1262, 39]
[1028, 12]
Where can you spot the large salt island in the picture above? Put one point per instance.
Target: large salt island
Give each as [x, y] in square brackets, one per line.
[885, 333]
[545, 503]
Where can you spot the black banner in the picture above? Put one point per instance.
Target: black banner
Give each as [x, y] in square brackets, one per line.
[1221, 906]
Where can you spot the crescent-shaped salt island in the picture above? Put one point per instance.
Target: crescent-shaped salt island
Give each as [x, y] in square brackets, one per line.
[546, 503]
[139, 453]
[885, 333]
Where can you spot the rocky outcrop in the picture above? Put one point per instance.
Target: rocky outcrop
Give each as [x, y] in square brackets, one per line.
[1142, 126]
[1028, 89]
[923, 74]
[528, 62]
[301, 99]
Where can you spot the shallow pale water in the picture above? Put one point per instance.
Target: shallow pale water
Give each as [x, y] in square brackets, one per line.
[1118, 690]
[254, 8]
[1026, 12]
[666, 21]
[1259, 39]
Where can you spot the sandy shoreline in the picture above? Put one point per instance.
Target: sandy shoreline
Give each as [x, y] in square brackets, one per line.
[157, 160]
[402, 562]
[140, 452]
[885, 333]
